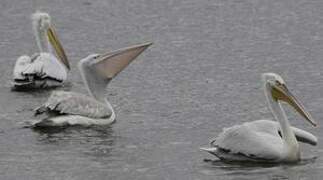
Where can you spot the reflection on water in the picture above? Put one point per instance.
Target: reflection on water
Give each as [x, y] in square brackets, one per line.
[95, 141]
[261, 170]
[43, 92]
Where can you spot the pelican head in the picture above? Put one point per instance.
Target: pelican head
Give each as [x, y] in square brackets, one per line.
[98, 70]
[43, 27]
[42, 21]
[277, 90]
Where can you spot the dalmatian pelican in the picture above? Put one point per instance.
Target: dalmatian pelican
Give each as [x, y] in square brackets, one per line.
[71, 108]
[266, 140]
[43, 69]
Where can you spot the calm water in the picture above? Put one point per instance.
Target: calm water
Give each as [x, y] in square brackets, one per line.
[201, 74]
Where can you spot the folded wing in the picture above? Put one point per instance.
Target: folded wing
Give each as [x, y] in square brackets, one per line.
[71, 103]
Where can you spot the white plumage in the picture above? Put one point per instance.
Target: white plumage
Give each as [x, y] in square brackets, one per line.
[43, 69]
[265, 140]
[70, 108]
[74, 103]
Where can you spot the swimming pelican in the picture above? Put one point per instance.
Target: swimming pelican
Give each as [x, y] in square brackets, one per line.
[265, 140]
[43, 69]
[71, 108]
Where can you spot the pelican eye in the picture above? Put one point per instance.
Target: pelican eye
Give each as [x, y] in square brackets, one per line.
[278, 83]
[97, 56]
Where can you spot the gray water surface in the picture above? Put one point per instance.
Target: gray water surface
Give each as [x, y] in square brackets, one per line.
[201, 74]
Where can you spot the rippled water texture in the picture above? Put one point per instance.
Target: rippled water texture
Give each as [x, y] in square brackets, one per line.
[201, 74]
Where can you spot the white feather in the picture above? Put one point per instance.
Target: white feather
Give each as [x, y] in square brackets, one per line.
[258, 139]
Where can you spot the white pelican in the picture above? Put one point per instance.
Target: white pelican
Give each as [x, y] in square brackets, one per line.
[70, 108]
[43, 69]
[265, 140]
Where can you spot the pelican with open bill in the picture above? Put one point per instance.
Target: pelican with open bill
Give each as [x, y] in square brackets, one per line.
[43, 69]
[265, 140]
[71, 108]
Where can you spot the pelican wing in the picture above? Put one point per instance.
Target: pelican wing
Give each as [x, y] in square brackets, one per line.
[44, 66]
[61, 102]
[302, 136]
[39, 67]
[258, 139]
[21, 64]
